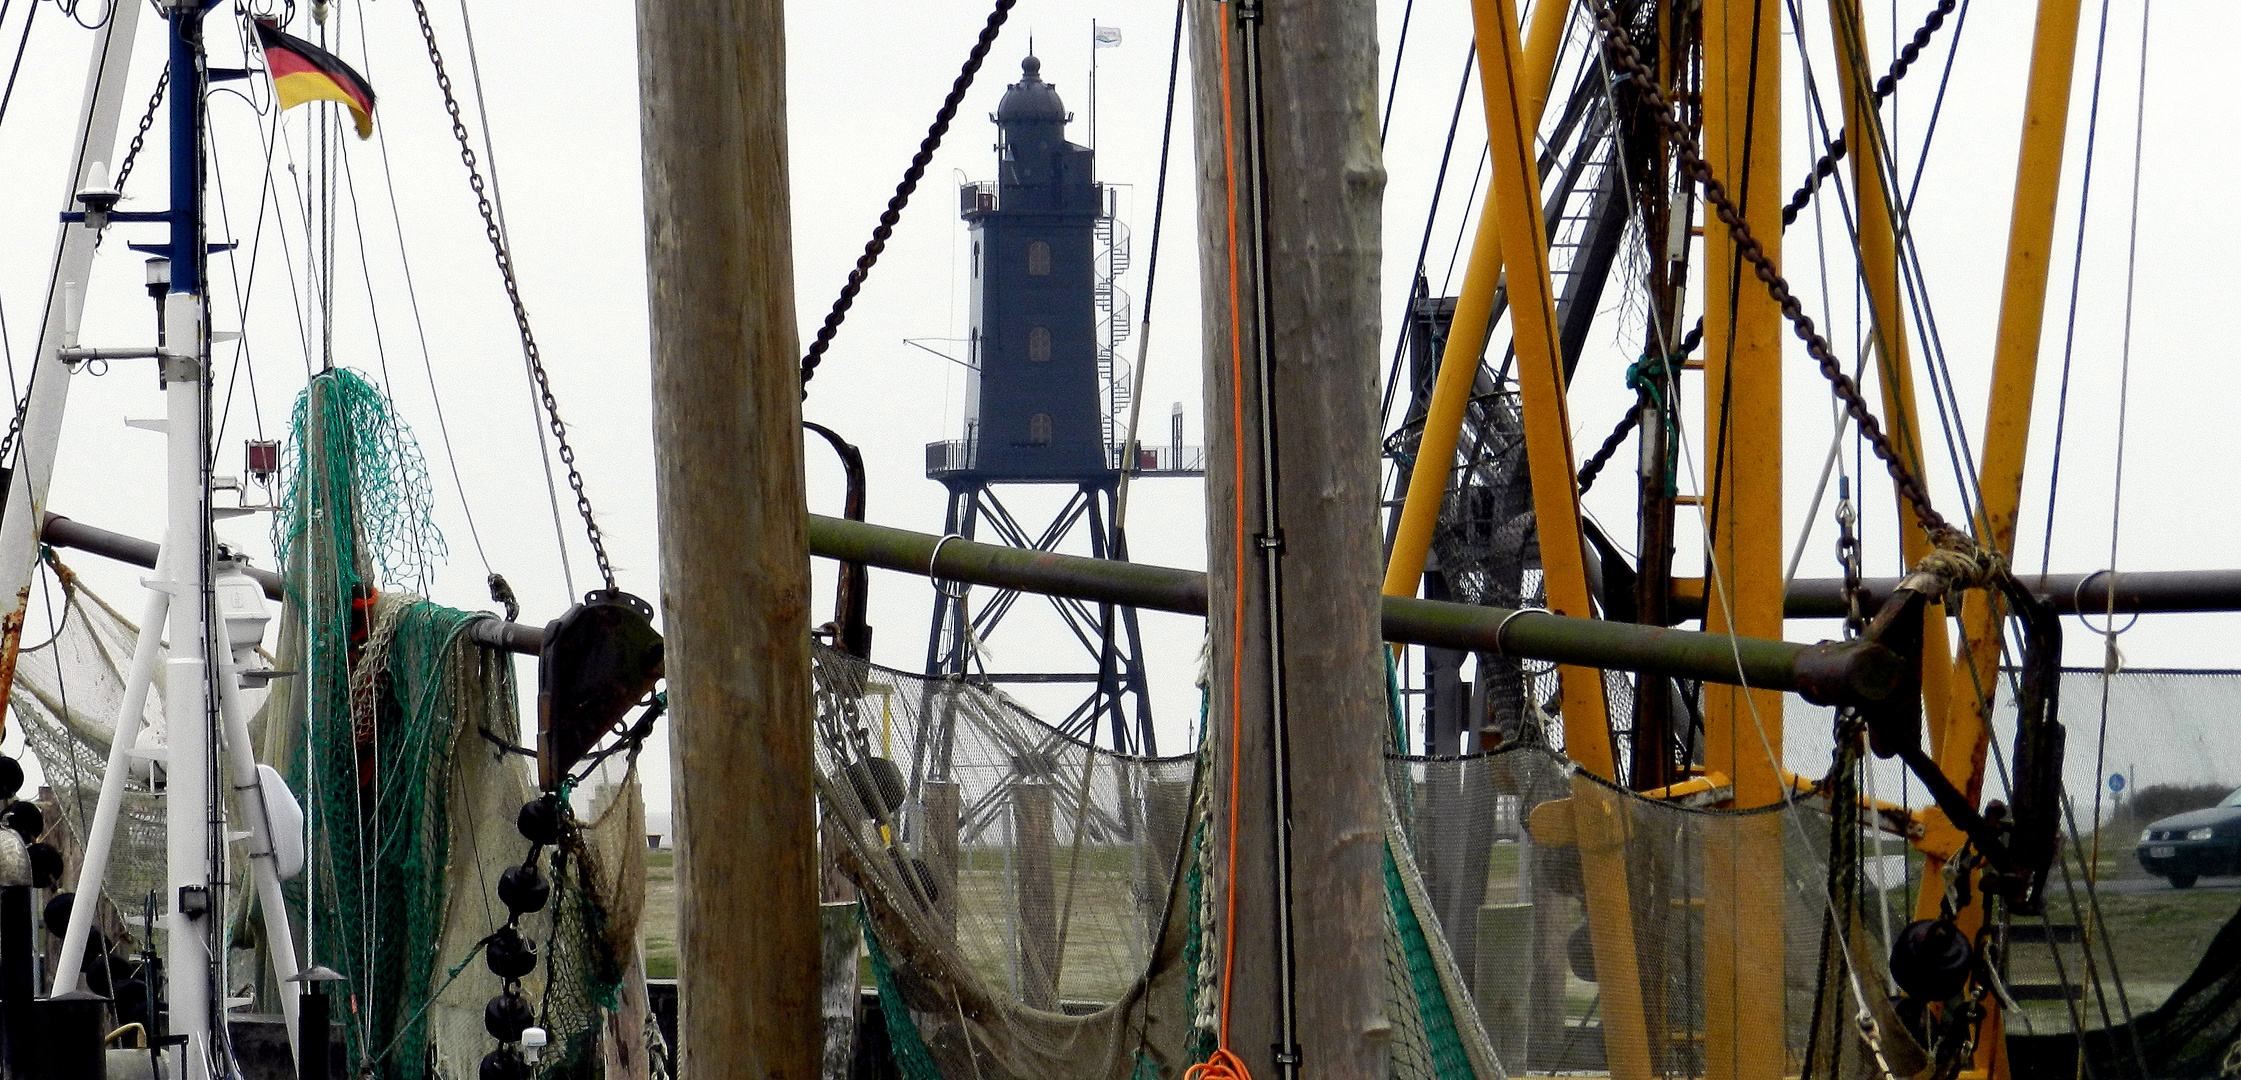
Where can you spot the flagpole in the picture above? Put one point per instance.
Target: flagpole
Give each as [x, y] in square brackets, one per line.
[1093, 47]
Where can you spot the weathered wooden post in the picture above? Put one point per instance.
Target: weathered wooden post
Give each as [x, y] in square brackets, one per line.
[1286, 93]
[735, 547]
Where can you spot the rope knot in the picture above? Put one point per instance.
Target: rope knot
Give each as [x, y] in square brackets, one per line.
[1962, 564]
[1647, 375]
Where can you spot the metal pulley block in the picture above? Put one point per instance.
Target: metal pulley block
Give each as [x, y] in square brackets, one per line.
[2019, 844]
[600, 658]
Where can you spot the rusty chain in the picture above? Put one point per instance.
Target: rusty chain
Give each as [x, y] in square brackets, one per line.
[505, 260]
[1835, 149]
[1848, 556]
[903, 190]
[1620, 48]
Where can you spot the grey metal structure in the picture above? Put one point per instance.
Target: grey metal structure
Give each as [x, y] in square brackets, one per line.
[1485, 549]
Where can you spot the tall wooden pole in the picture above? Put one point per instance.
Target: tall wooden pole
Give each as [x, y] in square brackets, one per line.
[734, 537]
[1742, 438]
[1321, 207]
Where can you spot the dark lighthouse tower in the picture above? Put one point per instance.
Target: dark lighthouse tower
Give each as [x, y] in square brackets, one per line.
[1043, 398]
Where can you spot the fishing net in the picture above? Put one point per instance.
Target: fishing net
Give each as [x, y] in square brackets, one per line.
[400, 737]
[1016, 881]
[1036, 906]
[67, 695]
[1542, 877]
[2194, 1035]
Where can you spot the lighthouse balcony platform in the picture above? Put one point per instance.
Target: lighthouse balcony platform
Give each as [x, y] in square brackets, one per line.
[960, 458]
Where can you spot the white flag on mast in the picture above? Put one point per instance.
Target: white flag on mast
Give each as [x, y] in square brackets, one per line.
[1107, 36]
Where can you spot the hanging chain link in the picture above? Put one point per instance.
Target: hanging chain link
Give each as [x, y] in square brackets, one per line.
[1835, 149]
[513, 295]
[1747, 247]
[140, 137]
[903, 190]
[1848, 556]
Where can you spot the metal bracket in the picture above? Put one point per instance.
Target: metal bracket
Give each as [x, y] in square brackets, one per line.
[2019, 845]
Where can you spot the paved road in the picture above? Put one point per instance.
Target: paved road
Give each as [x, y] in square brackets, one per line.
[2140, 885]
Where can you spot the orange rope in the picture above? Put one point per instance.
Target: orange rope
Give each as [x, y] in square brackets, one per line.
[1225, 1065]
[1222, 1066]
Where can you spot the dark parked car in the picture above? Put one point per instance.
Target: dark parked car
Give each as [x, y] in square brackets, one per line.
[2198, 843]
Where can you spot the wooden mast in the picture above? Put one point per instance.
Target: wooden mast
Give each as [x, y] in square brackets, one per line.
[734, 539]
[1321, 209]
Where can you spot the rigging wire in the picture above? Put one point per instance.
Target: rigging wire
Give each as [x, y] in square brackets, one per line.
[277, 141]
[2077, 278]
[2109, 630]
[241, 295]
[1424, 245]
[502, 252]
[1463, 228]
[1151, 281]
[16, 68]
[498, 203]
[412, 296]
[1393, 82]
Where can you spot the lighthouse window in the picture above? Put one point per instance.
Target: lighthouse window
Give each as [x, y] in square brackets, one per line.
[1038, 429]
[1038, 259]
[976, 262]
[1038, 345]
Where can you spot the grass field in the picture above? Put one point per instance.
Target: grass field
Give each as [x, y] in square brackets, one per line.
[661, 915]
[2157, 933]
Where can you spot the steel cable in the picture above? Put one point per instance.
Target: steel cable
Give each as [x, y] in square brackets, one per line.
[504, 256]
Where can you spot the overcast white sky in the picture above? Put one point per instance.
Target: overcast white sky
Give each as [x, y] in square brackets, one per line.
[864, 79]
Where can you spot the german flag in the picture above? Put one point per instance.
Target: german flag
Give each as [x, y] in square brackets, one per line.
[302, 71]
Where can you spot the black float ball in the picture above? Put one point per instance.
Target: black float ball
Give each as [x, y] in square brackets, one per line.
[523, 890]
[131, 996]
[56, 915]
[11, 777]
[503, 1064]
[46, 866]
[25, 819]
[506, 1016]
[1930, 959]
[878, 784]
[508, 955]
[540, 820]
[1579, 953]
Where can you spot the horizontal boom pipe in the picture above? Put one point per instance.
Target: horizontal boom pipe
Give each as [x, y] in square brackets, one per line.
[2144, 592]
[1824, 672]
[66, 533]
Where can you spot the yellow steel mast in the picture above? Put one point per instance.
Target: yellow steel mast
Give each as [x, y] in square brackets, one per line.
[1742, 436]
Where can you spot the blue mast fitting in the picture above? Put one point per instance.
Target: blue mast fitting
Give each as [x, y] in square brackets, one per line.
[187, 85]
